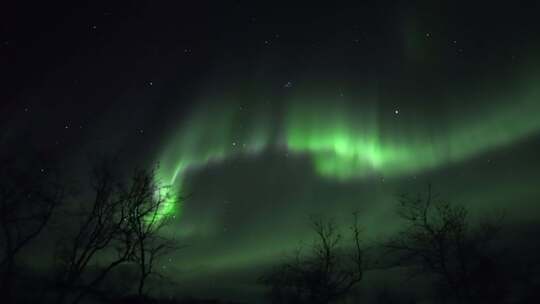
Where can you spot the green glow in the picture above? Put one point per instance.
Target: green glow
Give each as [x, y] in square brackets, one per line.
[348, 139]
[345, 142]
[170, 203]
[209, 136]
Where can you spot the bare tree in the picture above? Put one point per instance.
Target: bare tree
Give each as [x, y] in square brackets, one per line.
[145, 222]
[122, 226]
[27, 202]
[437, 240]
[100, 228]
[325, 274]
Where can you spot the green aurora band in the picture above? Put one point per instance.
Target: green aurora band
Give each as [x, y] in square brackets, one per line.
[343, 141]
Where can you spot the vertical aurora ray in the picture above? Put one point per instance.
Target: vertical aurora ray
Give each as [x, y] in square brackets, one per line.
[347, 142]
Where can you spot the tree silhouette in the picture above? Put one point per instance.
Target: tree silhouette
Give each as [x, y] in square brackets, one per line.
[326, 273]
[99, 228]
[145, 222]
[117, 229]
[28, 198]
[437, 240]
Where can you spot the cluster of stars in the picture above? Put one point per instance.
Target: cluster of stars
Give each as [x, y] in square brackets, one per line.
[269, 41]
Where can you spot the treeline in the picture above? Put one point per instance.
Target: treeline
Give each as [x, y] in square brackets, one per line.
[463, 262]
[118, 224]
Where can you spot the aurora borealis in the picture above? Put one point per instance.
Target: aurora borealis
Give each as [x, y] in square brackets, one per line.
[346, 142]
[258, 116]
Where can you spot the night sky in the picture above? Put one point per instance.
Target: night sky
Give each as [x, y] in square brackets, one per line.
[264, 114]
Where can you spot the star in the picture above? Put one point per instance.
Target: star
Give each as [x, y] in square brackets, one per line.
[396, 111]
